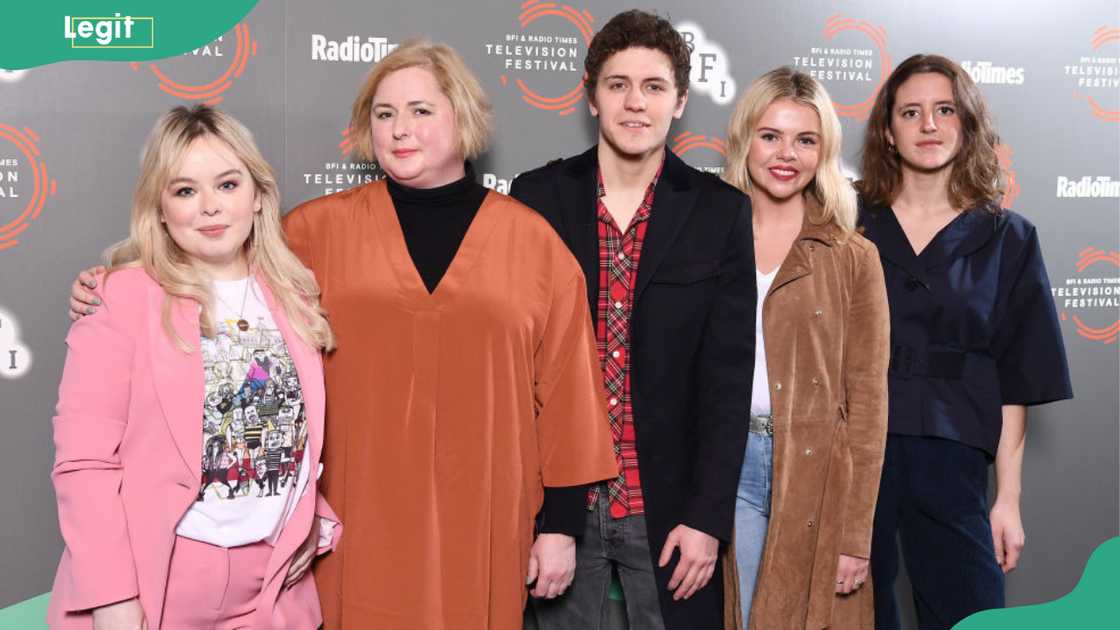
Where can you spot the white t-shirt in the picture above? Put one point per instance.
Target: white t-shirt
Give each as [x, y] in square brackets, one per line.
[254, 427]
[760, 392]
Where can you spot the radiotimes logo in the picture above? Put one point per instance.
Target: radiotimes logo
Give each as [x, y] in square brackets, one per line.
[543, 61]
[1091, 298]
[1096, 76]
[852, 71]
[1100, 187]
[496, 183]
[987, 73]
[25, 183]
[342, 174]
[710, 72]
[354, 48]
[706, 153]
[15, 357]
[205, 74]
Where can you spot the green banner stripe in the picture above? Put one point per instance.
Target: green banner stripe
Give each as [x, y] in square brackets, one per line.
[124, 30]
[1093, 603]
[30, 614]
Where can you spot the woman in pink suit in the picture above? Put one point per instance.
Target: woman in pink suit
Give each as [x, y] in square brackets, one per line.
[166, 384]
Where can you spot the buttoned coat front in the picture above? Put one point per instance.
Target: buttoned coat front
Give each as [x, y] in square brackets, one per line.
[827, 331]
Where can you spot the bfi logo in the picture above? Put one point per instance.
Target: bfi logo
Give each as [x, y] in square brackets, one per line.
[15, 358]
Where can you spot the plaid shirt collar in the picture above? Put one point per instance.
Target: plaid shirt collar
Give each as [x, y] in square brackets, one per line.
[647, 201]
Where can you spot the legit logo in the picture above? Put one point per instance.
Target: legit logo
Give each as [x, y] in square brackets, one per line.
[110, 32]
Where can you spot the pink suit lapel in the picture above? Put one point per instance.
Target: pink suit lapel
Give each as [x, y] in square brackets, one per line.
[178, 376]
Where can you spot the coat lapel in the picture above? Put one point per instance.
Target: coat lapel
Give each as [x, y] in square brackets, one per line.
[308, 365]
[965, 234]
[883, 229]
[178, 375]
[673, 199]
[579, 201]
[798, 262]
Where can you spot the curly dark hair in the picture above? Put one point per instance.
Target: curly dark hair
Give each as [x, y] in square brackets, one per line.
[976, 179]
[637, 29]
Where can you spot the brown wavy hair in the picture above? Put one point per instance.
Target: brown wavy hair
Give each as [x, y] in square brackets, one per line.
[637, 29]
[976, 179]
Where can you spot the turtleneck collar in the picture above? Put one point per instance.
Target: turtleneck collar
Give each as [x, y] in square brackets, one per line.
[455, 193]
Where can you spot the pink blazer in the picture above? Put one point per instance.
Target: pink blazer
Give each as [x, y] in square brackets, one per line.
[127, 461]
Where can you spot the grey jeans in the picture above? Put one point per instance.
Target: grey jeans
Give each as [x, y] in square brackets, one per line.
[606, 542]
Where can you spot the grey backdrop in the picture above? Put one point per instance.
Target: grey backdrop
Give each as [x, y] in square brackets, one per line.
[70, 136]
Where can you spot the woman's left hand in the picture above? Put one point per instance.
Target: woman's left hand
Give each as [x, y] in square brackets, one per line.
[851, 573]
[304, 555]
[1007, 533]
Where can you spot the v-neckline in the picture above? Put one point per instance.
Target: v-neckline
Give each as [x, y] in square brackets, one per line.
[411, 284]
[929, 245]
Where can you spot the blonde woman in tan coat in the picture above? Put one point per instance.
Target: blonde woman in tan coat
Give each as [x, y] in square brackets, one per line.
[819, 405]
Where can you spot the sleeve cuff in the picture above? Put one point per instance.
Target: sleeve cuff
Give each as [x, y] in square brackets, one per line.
[564, 511]
[326, 532]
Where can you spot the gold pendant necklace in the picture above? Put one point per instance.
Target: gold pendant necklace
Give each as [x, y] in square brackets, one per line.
[242, 325]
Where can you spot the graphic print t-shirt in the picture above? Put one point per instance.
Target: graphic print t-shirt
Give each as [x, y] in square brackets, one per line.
[254, 431]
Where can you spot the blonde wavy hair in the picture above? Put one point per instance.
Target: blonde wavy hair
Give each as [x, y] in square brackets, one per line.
[473, 112]
[150, 246]
[835, 198]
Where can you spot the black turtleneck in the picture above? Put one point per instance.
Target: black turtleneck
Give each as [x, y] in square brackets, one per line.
[434, 221]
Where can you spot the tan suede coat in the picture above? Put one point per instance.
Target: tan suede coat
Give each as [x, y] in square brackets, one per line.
[827, 332]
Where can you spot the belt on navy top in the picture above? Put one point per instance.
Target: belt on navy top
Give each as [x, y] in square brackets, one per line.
[906, 362]
[763, 425]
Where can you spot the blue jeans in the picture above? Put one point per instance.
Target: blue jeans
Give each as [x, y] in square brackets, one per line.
[752, 514]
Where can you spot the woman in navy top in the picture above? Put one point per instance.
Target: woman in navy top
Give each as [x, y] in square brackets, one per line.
[974, 341]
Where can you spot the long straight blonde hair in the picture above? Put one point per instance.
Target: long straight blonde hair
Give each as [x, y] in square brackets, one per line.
[150, 246]
[835, 197]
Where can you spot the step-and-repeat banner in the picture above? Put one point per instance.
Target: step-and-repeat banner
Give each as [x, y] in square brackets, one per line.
[70, 136]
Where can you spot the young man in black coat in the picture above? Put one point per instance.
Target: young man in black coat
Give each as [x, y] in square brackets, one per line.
[668, 256]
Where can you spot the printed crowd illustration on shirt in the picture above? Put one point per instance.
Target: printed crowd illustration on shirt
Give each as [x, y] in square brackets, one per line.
[254, 428]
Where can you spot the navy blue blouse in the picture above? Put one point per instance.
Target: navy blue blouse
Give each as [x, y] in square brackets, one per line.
[973, 325]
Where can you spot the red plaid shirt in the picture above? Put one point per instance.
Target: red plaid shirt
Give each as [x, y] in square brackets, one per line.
[619, 254]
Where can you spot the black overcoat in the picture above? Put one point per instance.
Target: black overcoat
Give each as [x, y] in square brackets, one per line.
[692, 347]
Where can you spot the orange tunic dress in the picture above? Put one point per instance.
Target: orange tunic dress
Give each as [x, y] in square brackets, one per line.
[447, 412]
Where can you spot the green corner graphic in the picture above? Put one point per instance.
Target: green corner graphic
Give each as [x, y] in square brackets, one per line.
[40, 33]
[1093, 603]
[30, 614]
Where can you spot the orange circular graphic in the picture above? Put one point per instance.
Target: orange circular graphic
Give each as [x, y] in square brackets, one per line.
[533, 10]
[1105, 334]
[346, 145]
[1101, 36]
[1004, 153]
[26, 141]
[210, 93]
[688, 141]
[838, 23]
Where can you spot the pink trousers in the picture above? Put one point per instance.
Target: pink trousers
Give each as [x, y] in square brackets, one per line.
[213, 588]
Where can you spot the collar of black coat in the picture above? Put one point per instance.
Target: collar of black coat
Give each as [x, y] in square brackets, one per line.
[965, 234]
[675, 172]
